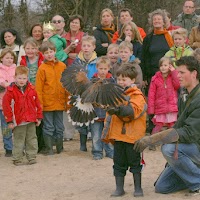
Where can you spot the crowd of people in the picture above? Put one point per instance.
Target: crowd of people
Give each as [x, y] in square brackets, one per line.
[158, 70]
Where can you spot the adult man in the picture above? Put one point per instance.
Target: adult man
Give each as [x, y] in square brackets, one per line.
[59, 23]
[125, 15]
[188, 18]
[183, 157]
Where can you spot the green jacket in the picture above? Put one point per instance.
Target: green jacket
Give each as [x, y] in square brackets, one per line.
[175, 53]
[60, 44]
[186, 21]
[187, 125]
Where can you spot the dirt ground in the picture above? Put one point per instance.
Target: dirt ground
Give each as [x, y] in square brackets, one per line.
[73, 175]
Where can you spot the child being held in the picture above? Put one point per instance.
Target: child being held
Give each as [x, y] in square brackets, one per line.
[49, 32]
[180, 47]
[27, 113]
[103, 67]
[7, 73]
[124, 126]
[162, 96]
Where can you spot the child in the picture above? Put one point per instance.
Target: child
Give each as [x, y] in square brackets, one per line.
[103, 66]
[113, 54]
[27, 113]
[162, 96]
[131, 34]
[126, 124]
[87, 57]
[7, 73]
[49, 32]
[53, 97]
[180, 47]
[126, 56]
[33, 58]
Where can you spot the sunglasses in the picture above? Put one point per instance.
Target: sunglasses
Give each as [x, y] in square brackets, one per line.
[57, 21]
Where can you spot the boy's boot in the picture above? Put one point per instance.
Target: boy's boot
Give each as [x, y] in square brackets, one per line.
[48, 140]
[137, 183]
[119, 187]
[59, 145]
[83, 140]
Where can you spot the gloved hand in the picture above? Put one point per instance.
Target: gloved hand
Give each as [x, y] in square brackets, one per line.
[164, 137]
[113, 111]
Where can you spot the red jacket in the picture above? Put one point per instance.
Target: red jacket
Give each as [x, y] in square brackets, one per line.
[116, 34]
[27, 107]
[24, 62]
[162, 95]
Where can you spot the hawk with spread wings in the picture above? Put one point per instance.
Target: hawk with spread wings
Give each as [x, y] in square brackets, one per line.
[86, 94]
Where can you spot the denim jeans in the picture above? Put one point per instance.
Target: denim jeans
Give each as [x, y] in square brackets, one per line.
[7, 133]
[53, 123]
[97, 144]
[181, 173]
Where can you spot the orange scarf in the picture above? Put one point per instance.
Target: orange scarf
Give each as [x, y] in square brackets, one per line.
[167, 36]
[109, 31]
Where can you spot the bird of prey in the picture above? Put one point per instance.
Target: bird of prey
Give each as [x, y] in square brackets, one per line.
[86, 94]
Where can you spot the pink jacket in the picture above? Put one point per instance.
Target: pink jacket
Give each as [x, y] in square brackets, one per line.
[162, 95]
[6, 76]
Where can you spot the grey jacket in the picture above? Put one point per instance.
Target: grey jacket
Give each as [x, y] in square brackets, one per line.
[186, 21]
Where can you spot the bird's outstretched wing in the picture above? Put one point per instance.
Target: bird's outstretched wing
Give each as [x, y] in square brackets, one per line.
[103, 93]
[74, 79]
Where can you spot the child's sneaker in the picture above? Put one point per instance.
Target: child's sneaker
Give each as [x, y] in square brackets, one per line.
[97, 158]
[8, 153]
[31, 162]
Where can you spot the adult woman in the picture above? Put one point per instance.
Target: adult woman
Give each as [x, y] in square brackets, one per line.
[74, 37]
[36, 33]
[104, 32]
[194, 37]
[155, 45]
[10, 38]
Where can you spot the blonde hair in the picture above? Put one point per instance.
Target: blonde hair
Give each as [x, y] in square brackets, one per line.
[6, 51]
[160, 12]
[103, 60]
[20, 70]
[125, 44]
[134, 29]
[31, 41]
[180, 31]
[89, 38]
[106, 10]
[112, 46]
[165, 59]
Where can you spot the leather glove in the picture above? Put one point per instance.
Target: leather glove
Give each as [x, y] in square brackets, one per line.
[113, 111]
[164, 137]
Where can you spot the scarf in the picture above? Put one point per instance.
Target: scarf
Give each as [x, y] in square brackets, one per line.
[109, 31]
[167, 36]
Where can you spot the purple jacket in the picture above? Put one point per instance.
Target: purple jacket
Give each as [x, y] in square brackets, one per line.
[162, 95]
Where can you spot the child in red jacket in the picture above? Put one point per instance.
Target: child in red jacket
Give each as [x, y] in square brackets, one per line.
[162, 96]
[27, 114]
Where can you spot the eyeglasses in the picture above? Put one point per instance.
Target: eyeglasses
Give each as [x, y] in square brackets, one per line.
[190, 7]
[57, 21]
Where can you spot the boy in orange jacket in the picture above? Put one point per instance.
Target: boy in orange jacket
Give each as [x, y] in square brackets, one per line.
[52, 96]
[127, 124]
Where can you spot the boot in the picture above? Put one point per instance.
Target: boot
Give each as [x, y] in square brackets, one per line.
[48, 140]
[119, 187]
[59, 145]
[137, 183]
[83, 140]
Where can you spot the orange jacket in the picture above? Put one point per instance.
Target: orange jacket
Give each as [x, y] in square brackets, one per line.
[50, 91]
[135, 129]
[116, 34]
